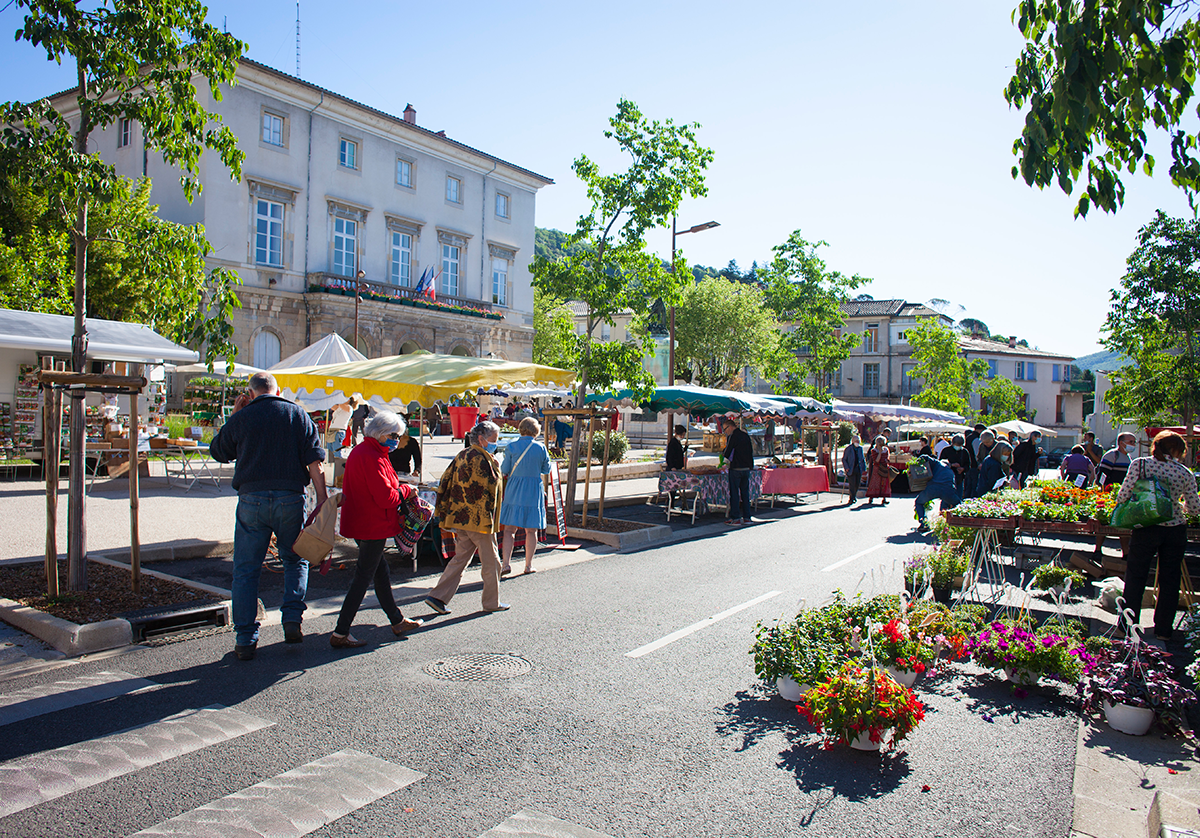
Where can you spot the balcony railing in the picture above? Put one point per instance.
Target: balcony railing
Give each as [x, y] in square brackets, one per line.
[321, 282]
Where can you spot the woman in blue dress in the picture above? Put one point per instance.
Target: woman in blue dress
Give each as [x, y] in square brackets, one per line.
[524, 505]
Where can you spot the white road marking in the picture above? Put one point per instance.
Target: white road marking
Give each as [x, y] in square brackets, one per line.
[847, 561]
[74, 692]
[692, 629]
[530, 824]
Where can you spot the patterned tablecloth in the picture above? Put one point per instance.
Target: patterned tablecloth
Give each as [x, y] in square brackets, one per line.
[713, 488]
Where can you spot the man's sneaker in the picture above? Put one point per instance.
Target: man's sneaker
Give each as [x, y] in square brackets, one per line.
[246, 653]
[292, 633]
[436, 605]
[500, 606]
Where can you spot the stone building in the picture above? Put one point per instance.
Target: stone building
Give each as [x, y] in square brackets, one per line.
[330, 188]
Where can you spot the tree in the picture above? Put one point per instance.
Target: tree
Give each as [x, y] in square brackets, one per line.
[554, 339]
[606, 265]
[974, 327]
[134, 59]
[804, 294]
[948, 377]
[1005, 401]
[1095, 77]
[1154, 319]
[721, 327]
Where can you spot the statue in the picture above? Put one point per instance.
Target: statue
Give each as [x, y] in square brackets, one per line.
[657, 322]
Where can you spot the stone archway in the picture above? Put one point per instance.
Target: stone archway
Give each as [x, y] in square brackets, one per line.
[409, 347]
[462, 351]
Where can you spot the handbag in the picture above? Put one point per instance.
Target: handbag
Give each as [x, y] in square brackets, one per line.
[919, 473]
[415, 514]
[316, 540]
[1150, 503]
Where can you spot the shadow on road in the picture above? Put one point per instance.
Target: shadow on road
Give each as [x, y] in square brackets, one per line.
[840, 771]
[755, 713]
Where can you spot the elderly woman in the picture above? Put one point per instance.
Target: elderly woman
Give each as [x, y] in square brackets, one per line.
[524, 506]
[995, 465]
[1078, 464]
[879, 483]
[468, 505]
[370, 504]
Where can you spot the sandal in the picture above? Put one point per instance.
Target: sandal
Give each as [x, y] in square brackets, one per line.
[504, 571]
[530, 570]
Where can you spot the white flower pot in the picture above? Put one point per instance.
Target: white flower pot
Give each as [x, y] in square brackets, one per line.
[1129, 719]
[903, 677]
[789, 689]
[1022, 677]
[863, 742]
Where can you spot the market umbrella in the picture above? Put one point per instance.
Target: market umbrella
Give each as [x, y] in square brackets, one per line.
[1022, 428]
[331, 349]
[933, 428]
[888, 412]
[700, 401]
[421, 378]
[539, 392]
[219, 369]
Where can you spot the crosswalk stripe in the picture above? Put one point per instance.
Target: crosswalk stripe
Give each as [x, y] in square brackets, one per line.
[294, 803]
[28, 781]
[35, 701]
[529, 824]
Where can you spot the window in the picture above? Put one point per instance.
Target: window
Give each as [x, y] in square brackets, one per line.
[1031, 371]
[501, 205]
[450, 257]
[345, 238]
[348, 153]
[266, 350]
[268, 233]
[870, 379]
[992, 368]
[1020, 376]
[125, 133]
[404, 172]
[1060, 416]
[272, 129]
[500, 282]
[605, 331]
[453, 190]
[1066, 375]
[902, 336]
[401, 259]
[871, 338]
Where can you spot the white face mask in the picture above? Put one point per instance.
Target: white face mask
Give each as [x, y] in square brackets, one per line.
[1130, 449]
[1004, 458]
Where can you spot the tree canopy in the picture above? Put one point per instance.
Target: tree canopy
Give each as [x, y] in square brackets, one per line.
[1094, 78]
[948, 377]
[722, 327]
[554, 339]
[1005, 401]
[1154, 319]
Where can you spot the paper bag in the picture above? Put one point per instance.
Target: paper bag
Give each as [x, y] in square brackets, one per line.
[320, 532]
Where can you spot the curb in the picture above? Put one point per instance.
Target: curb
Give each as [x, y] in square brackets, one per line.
[166, 553]
[632, 540]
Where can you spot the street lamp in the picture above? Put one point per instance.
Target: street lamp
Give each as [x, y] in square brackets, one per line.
[699, 228]
[357, 288]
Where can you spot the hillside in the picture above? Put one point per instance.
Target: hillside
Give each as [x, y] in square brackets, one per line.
[1102, 361]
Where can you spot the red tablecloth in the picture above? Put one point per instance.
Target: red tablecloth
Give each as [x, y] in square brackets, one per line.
[795, 481]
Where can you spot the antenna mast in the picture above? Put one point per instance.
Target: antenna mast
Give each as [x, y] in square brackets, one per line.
[297, 38]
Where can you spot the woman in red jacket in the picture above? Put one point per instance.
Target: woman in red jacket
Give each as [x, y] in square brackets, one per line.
[370, 504]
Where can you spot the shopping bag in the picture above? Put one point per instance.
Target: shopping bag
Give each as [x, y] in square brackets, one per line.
[415, 515]
[919, 473]
[1149, 504]
[320, 531]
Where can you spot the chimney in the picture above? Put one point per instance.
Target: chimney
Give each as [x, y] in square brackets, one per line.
[410, 114]
[1012, 341]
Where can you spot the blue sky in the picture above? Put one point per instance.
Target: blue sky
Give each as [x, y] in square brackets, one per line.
[882, 130]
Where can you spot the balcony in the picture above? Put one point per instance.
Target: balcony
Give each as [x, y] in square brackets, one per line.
[327, 283]
[1079, 386]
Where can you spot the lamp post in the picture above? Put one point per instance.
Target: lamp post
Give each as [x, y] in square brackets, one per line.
[699, 228]
[357, 288]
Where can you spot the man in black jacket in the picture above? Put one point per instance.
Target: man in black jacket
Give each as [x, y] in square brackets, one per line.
[739, 453]
[1025, 458]
[957, 457]
[277, 450]
[971, 443]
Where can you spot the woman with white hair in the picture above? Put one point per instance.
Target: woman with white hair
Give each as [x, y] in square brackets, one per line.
[370, 515]
[524, 505]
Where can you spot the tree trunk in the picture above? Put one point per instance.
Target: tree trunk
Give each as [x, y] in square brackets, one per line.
[76, 521]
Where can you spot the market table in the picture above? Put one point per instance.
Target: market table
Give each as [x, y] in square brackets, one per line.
[794, 481]
[710, 489]
[191, 469]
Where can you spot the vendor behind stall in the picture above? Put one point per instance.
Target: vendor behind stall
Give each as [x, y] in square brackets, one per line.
[677, 449]
[406, 458]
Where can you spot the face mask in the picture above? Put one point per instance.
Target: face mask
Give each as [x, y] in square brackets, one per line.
[391, 444]
[491, 448]
[1004, 458]
[1130, 449]
[958, 448]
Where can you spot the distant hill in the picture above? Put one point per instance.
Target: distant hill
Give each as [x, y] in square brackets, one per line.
[551, 244]
[1102, 361]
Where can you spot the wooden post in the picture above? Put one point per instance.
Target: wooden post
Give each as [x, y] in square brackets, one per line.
[135, 550]
[587, 475]
[51, 439]
[604, 467]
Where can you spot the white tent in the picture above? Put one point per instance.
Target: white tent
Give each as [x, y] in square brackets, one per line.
[888, 412]
[219, 369]
[933, 428]
[331, 349]
[1022, 428]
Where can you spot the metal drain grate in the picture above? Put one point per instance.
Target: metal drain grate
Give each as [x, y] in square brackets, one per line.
[482, 666]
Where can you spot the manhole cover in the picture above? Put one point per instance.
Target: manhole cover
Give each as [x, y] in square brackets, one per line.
[483, 666]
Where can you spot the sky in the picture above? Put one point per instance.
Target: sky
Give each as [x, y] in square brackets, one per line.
[880, 128]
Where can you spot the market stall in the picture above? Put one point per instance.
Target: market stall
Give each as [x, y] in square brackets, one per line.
[710, 489]
[793, 481]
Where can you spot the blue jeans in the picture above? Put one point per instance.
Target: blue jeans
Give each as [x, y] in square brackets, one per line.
[258, 515]
[739, 484]
[338, 436]
[949, 497]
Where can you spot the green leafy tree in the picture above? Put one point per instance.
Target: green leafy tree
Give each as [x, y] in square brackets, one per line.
[722, 327]
[974, 327]
[134, 59]
[947, 376]
[1154, 319]
[1094, 78]
[554, 339]
[807, 299]
[606, 265]
[1005, 401]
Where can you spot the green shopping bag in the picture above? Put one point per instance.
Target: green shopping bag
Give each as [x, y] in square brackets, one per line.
[1149, 504]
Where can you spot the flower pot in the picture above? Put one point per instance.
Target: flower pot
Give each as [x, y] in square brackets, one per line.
[789, 690]
[1022, 677]
[1129, 719]
[943, 595]
[462, 419]
[903, 677]
[863, 742]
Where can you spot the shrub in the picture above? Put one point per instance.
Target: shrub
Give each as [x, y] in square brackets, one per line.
[618, 447]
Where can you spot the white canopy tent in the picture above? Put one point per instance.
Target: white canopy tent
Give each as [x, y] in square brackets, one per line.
[1022, 428]
[220, 369]
[331, 349]
[933, 428]
[889, 412]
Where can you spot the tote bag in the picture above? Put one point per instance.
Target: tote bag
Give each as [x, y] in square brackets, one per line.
[1149, 504]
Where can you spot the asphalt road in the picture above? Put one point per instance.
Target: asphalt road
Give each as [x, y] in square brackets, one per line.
[679, 741]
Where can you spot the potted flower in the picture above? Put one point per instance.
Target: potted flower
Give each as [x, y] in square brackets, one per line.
[1053, 578]
[1025, 656]
[903, 651]
[947, 565]
[1131, 683]
[796, 654]
[775, 657]
[859, 705]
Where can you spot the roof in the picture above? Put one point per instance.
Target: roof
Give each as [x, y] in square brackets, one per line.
[108, 340]
[580, 308]
[995, 347]
[872, 308]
